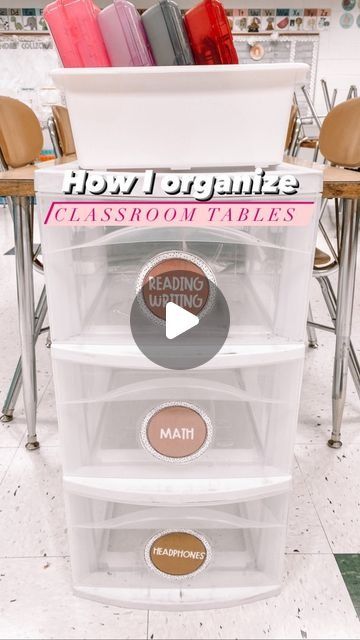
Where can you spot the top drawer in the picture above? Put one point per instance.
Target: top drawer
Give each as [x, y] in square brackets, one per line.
[92, 276]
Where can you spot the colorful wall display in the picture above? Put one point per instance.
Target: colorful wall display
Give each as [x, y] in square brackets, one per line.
[287, 20]
[347, 19]
[252, 20]
[25, 20]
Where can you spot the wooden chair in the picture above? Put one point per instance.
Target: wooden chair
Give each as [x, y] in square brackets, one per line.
[21, 138]
[21, 141]
[339, 139]
[60, 132]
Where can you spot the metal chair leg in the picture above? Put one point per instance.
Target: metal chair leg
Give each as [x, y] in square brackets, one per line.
[12, 394]
[15, 386]
[326, 94]
[311, 333]
[316, 153]
[48, 340]
[330, 301]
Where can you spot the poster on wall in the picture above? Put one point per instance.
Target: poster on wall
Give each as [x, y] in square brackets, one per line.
[347, 19]
[282, 20]
[15, 20]
[252, 20]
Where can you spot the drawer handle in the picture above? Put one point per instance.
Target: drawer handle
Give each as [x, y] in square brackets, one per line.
[131, 235]
[203, 518]
[135, 389]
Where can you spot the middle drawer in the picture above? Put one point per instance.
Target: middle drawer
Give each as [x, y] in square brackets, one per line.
[235, 421]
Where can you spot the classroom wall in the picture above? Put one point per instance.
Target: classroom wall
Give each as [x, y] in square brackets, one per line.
[339, 52]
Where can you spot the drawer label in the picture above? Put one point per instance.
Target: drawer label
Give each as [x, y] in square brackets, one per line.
[178, 277]
[177, 554]
[176, 432]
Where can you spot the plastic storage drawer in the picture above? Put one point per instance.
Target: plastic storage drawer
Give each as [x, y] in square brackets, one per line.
[243, 544]
[92, 276]
[234, 422]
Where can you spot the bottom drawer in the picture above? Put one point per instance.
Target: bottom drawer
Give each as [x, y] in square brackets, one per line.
[177, 558]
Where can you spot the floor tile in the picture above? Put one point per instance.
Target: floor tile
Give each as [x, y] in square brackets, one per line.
[314, 603]
[32, 521]
[332, 477]
[37, 603]
[349, 565]
[12, 433]
[305, 533]
[6, 457]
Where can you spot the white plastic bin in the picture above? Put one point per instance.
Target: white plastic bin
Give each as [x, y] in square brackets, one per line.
[250, 409]
[92, 277]
[244, 557]
[180, 117]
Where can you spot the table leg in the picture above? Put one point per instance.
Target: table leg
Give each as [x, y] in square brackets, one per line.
[345, 300]
[25, 294]
[331, 303]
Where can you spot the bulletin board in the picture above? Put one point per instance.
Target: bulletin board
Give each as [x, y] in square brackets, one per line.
[26, 65]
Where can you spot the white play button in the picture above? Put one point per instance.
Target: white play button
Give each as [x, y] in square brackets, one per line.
[178, 320]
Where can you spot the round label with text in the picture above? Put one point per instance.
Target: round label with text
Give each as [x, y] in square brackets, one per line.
[176, 432]
[177, 554]
[178, 277]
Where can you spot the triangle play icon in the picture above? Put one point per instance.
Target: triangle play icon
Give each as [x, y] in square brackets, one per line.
[178, 320]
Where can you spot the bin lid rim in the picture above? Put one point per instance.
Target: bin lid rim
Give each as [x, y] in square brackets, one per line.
[181, 70]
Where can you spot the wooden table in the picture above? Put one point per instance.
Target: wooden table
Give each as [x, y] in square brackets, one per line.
[338, 183]
[18, 184]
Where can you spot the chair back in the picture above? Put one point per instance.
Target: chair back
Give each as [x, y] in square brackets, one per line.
[291, 126]
[339, 139]
[63, 129]
[21, 138]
